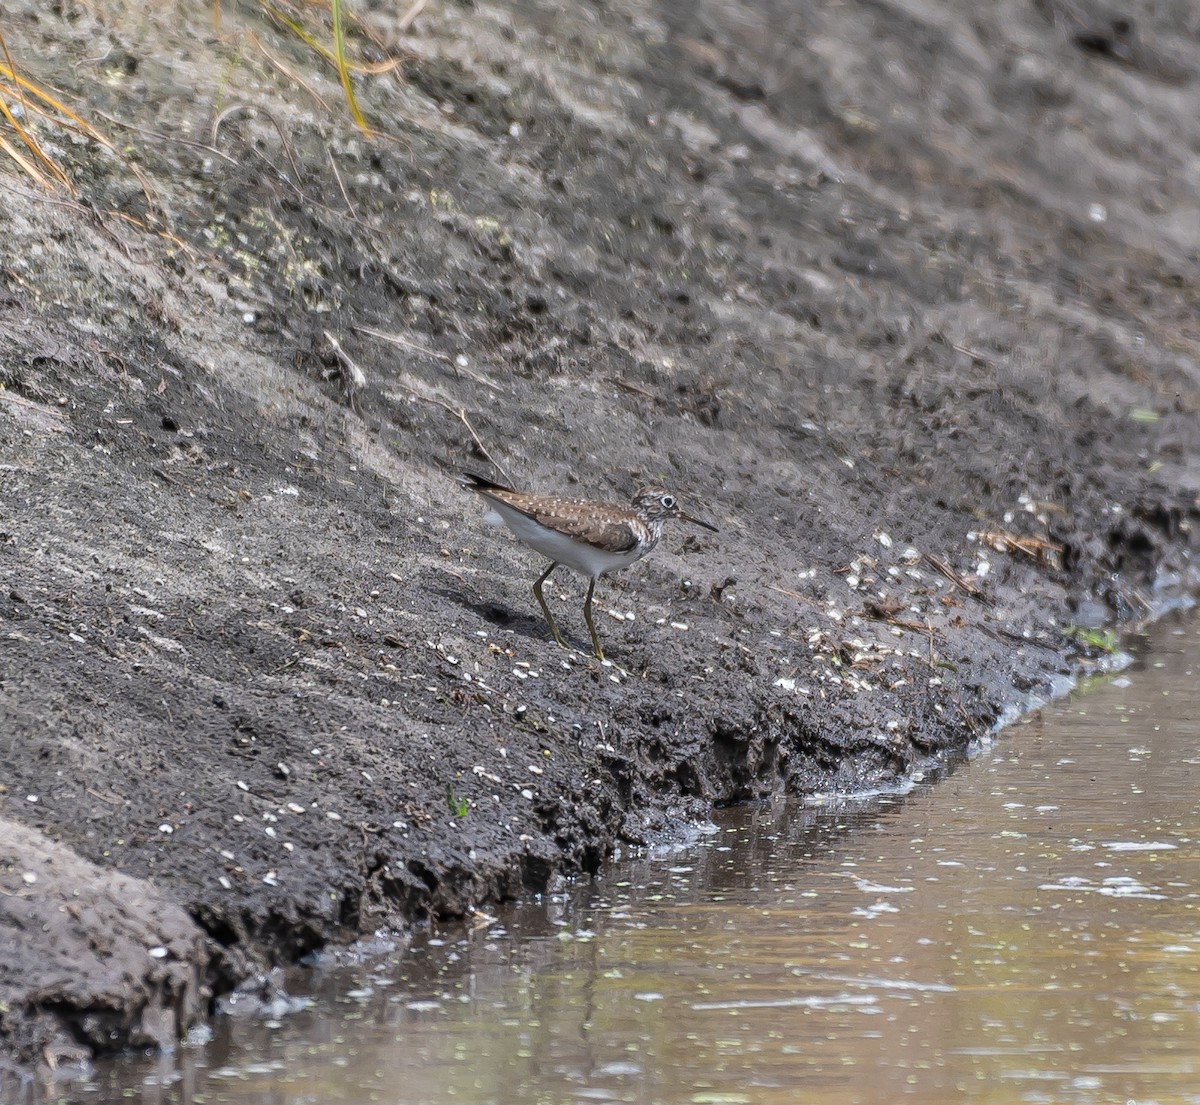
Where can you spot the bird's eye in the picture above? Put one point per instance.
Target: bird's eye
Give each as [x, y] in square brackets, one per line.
[668, 501]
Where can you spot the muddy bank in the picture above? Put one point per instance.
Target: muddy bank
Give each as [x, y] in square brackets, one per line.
[903, 299]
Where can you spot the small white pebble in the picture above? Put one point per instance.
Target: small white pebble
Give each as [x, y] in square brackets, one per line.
[225, 882]
[884, 540]
[295, 807]
[29, 878]
[333, 816]
[526, 793]
[165, 828]
[241, 785]
[158, 952]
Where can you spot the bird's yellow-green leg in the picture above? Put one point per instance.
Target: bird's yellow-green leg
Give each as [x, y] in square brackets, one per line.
[537, 590]
[587, 617]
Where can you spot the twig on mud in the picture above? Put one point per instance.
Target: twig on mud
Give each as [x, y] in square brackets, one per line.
[953, 576]
[974, 354]
[971, 726]
[98, 216]
[1004, 636]
[167, 137]
[410, 16]
[32, 410]
[291, 76]
[404, 343]
[1034, 547]
[793, 594]
[164, 234]
[232, 109]
[341, 187]
[461, 414]
[353, 378]
[625, 385]
[886, 611]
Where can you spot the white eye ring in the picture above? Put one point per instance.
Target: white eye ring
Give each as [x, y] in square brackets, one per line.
[668, 501]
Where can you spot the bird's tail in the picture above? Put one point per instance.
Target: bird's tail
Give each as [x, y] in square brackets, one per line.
[472, 482]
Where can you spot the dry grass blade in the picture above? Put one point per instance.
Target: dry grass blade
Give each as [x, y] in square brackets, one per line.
[953, 576]
[40, 102]
[315, 44]
[29, 168]
[8, 70]
[410, 16]
[460, 413]
[293, 25]
[339, 48]
[287, 72]
[337, 56]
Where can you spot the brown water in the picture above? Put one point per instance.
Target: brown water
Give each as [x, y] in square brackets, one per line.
[1026, 930]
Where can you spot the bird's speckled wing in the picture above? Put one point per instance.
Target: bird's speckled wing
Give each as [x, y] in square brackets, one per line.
[576, 518]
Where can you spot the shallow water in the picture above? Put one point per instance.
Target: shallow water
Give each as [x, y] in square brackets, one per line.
[1026, 930]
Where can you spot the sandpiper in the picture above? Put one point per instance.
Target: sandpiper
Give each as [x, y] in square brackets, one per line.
[593, 538]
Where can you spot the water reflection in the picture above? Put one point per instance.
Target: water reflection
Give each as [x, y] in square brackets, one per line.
[1027, 930]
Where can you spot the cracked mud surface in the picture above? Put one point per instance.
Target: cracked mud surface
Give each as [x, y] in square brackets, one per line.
[901, 297]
